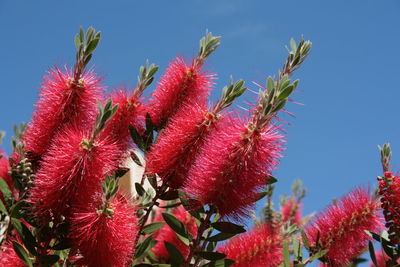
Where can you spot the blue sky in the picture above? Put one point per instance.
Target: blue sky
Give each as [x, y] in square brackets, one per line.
[349, 84]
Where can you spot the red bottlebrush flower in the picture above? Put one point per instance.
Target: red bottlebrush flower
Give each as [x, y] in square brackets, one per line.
[104, 240]
[262, 246]
[70, 171]
[291, 211]
[389, 190]
[341, 227]
[179, 143]
[61, 101]
[233, 165]
[180, 83]
[129, 112]
[167, 234]
[8, 257]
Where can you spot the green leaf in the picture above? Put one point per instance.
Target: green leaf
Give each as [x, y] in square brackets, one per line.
[137, 138]
[6, 191]
[220, 237]
[151, 228]
[212, 256]
[3, 208]
[270, 84]
[285, 93]
[228, 227]
[92, 46]
[286, 254]
[176, 256]
[27, 238]
[305, 240]
[220, 263]
[16, 211]
[143, 246]
[175, 224]
[319, 254]
[139, 189]
[372, 253]
[49, 260]
[169, 195]
[22, 253]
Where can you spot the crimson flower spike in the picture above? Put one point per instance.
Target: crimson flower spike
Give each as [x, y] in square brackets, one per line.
[261, 246]
[65, 97]
[341, 227]
[184, 135]
[182, 83]
[239, 156]
[389, 190]
[73, 168]
[103, 229]
[130, 109]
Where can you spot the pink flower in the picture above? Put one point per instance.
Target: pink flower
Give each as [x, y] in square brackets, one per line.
[233, 165]
[261, 246]
[341, 227]
[104, 240]
[8, 257]
[180, 83]
[167, 234]
[178, 144]
[291, 211]
[381, 259]
[61, 101]
[70, 171]
[129, 112]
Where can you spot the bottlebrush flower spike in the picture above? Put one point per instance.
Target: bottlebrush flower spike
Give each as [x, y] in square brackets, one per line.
[128, 113]
[291, 211]
[105, 239]
[180, 83]
[389, 190]
[167, 234]
[71, 169]
[340, 228]
[8, 257]
[62, 100]
[178, 143]
[233, 166]
[262, 246]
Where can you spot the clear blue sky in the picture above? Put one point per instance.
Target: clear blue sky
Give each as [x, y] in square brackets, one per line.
[349, 83]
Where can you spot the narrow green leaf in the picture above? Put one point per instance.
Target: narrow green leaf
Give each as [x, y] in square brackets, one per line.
[175, 255]
[16, 211]
[169, 195]
[175, 224]
[305, 240]
[6, 191]
[137, 138]
[3, 208]
[228, 227]
[139, 189]
[319, 254]
[219, 263]
[49, 260]
[212, 256]
[22, 253]
[92, 46]
[286, 254]
[150, 228]
[143, 246]
[372, 253]
[220, 237]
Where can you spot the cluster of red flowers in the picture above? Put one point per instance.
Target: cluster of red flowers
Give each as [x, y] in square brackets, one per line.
[214, 156]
